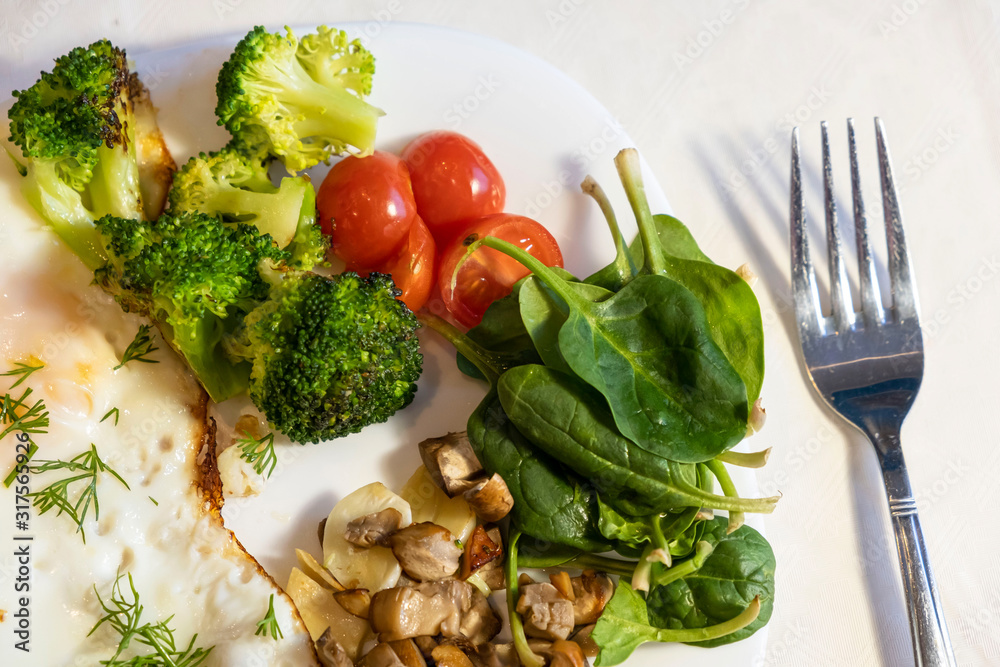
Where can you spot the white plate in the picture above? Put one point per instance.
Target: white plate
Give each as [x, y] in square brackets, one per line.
[545, 133]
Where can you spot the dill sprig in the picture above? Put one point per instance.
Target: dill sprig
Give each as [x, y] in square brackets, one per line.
[56, 495]
[23, 370]
[18, 468]
[112, 411]
[124, 616]
[268, 626]
[260, 453]
[19, 416]
[140, 347]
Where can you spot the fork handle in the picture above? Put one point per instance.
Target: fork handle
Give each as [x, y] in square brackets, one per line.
[931, 644]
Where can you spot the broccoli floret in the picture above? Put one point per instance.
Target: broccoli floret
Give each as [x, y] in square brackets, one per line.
[237, 189]
[195, 277]
[330, 355]
[301, 100]
[75, 127]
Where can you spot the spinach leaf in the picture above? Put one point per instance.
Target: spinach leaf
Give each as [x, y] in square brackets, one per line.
[502, 332]
[739, 569]
[678, 531]
[647, 349]
[571, 422]
[731, 308]
[544, 314]
[624, 625]
[675, 239]
[548, 500]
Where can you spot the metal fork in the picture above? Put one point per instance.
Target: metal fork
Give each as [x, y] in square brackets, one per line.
[867, 366]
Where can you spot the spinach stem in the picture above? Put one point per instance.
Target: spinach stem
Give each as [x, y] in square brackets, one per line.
[728, 503]
[718, 469]
[623, 259]
[745, 618]
[702, 551]
[481, 358]
[549, 277]
[528, 657]
[745, 459]
[630, 173]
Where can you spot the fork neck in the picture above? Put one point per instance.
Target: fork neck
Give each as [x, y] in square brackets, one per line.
[884, 432]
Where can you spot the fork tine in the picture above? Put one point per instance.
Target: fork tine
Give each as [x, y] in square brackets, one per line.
[871, 301]
[841, 306]
[904, 294]
[804, 290]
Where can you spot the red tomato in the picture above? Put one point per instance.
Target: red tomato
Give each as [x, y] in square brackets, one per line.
[366, 206]
[489, 274]
[412, 266]
[453, 182]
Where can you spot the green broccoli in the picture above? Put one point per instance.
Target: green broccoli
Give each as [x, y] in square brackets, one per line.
[330, 355]
[302, 101]
[230, 185]
[195, 277]
[75, 127]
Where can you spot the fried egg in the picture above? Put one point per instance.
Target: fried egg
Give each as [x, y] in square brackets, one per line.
[164, 529]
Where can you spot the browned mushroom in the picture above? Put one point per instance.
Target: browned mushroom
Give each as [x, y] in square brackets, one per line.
[451, 462]
[447, 608]
[490, 499]
[592, 591]
[480, 549]
[381, 655]
[450, 656]
[426, 551]
[426, 644]
[546, 613]
[496, 655]
[492, 572]
[408, 653]
[373, 529]
[355, 601]
[330, 652]
[586, 642]
[567, 654]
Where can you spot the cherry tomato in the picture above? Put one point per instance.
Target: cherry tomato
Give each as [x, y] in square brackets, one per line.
[411, 267]
[453, 182]
[489, 274]
[366, 206]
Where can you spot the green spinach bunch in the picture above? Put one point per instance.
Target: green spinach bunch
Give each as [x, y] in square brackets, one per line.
[613, 403]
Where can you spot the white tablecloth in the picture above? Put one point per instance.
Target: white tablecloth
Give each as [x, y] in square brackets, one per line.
[710, 91]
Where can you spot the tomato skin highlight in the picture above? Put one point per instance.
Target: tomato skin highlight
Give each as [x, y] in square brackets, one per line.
[454, 183]
[366, 207]
[488, 274]
[412, 267]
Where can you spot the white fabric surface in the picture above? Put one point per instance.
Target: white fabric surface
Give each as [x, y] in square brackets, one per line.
[709, 91]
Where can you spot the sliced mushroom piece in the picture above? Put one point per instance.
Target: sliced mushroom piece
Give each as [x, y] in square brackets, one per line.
[451, 462]
[490, 499]
[408, 653]
[480, 549]
[567, 654]
[546, 613]
[426, 551]
[450, 656]
[492, 572]
[586, 642]
[592, 592]
[331, 653]
[426, 644]
[381, 655]
[316, 572]
[448, 608]
[373, 529]
[497, 655]
[355, 601]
